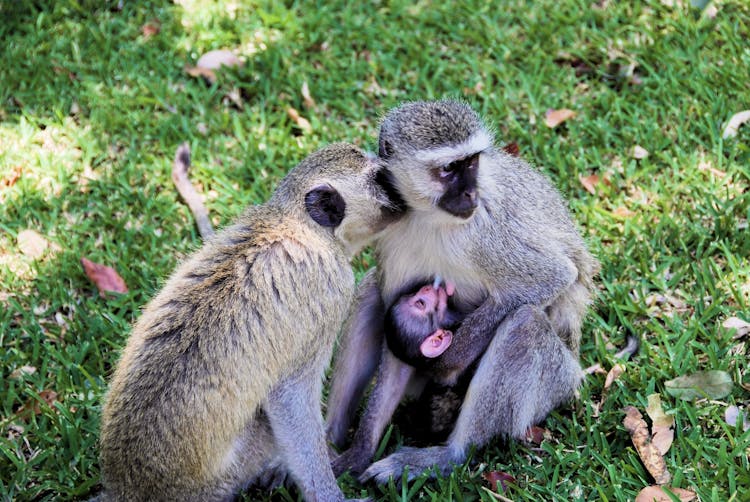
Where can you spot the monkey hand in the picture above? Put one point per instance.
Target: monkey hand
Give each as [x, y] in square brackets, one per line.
[354, 460]
[416, 460]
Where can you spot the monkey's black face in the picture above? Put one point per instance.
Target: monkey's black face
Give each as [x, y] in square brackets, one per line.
[459, 180]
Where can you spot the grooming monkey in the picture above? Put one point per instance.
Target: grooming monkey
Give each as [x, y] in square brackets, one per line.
[496, 229]
[222, 374]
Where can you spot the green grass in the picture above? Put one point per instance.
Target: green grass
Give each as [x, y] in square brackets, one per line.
[91, 112]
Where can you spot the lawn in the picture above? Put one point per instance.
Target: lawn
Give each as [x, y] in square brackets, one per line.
[94, 100]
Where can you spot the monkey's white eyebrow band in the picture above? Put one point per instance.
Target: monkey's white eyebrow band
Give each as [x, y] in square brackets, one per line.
[444, 155]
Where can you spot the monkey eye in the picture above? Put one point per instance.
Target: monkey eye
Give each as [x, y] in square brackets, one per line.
[419, 304]
[448, 170]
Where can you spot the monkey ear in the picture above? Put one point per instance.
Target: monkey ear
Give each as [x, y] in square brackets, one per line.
[436, 343]
[325, 206]
[385, 149]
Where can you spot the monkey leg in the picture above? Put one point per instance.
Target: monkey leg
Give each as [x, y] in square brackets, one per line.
[526, 372]
[357, 358]
[392, 381]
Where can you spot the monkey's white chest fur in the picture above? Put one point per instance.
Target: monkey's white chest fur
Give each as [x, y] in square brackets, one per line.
[422, 246]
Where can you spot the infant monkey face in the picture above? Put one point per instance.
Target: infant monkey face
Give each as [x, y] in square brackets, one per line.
[429, 301]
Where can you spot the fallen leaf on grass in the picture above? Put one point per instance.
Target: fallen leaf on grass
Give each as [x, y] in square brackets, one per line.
[211, 61]
[151, 28]
[512, 149]
[23, 370]
[732, 413]
[298, 119]
[536, 434]
[662, 425]
[659, 494]
[649, 454]
[742, 327]
[623, 212]
[713, 384]
[31, 243]
[554, 118]
[10, 179]
[730, 130]
[33, 405]
[194, 71]
[493, 477]
[638, 152]
[614, 374]
[589, 183]
[234, 97]
[306, 97]
[105, 278]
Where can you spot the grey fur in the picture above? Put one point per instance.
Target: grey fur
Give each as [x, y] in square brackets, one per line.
[519, 266]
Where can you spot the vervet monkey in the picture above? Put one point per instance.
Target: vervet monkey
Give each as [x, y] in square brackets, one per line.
[496, 229]
[222, 373]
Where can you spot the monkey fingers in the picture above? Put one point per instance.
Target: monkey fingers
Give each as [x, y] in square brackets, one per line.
[417, 460]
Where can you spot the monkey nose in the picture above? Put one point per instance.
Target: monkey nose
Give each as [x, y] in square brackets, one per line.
[472, 196]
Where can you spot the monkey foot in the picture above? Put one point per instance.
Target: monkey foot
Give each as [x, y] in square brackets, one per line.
[416, 460]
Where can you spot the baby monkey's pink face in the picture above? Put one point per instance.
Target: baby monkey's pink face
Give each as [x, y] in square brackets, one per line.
[431, 301]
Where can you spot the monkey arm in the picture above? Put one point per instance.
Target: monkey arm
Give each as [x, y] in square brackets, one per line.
[357, 358]
[393, 377]
[542, 283]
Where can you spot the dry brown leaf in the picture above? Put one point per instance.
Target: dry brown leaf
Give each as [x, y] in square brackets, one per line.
[307, 99]
[211, 61]
[730, 130]
[638, 152]
[649, 454]
[105, 278]
[512, 149]
[23, 370]
[614, 374]
[742, 327]
[662, 425]
[234, 97]
[503, 477]
[194, 71]
[214, 60]
[554, 118]
[658, 494]
[536, 434]
[151, 28]
[623, 212]
[589, 183]
[298, 119]
[33, 405]
[595, 369]
[10, 179]
[31, 243]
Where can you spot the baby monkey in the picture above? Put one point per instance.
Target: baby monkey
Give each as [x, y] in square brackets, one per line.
[419, 325]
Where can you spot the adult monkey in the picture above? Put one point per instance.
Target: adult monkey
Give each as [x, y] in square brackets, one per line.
[497, 229]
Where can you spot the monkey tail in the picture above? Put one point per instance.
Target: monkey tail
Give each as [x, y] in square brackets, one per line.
[188, 192]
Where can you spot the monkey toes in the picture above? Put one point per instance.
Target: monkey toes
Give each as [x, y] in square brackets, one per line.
[415, 460]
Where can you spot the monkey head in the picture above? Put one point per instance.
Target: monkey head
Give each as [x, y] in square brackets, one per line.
[418, 325]
[433, 150]
[342, 188]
